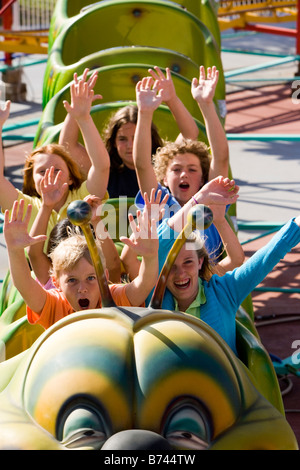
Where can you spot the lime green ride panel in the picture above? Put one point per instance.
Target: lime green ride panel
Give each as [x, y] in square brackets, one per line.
[57, 76]
[122, 40]
[67, 10]
[130, 24]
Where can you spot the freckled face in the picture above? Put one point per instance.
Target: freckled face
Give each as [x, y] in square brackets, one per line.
[183, 278]
[184, 177]
[80, 286]
[124, 143]
[44, 161]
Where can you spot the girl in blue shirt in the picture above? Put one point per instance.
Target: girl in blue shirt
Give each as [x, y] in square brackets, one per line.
[196, 290]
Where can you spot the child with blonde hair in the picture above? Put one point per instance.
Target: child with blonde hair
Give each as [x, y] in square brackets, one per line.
[73, 273]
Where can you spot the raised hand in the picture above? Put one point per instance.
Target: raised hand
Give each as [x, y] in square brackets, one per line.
[52, 187]
[4, 112]
[82, 96]
[144, 239]
[148, 95]
[164, 83]
[95, 204]
[203, 90]
[220, 190]
[155, 206]
[91, 82]
[16, 229]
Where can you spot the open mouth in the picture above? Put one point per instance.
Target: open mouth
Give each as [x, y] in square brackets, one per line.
[84, 303]
[184, 284]
[184, 186]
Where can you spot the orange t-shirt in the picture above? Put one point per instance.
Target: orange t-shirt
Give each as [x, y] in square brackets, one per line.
[57, 306]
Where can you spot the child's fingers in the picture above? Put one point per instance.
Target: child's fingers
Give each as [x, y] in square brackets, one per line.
[161, 213]
[158, 195]
[19, 210]
[38, 239]
[168, 73]
[159, 72]
[85, 73]
[146, 198]
[97, 97]
[202, 72]
[6, 218]
[148, 83]
[164, 200]
[93, 79]
[49, 175]
[57, 178]
[7, 106]
[153, 74]
[153, 229]
[208, 73]
[132, 223]
[67, 106]
[14, 211]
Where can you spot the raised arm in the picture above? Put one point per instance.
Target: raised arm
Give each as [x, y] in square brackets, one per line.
[145, 243]
[183, 118]
[82, 97]
[148, 98]
[235, 255]
[69, 134]
[203, 90]
[17, 238]
[8, 192]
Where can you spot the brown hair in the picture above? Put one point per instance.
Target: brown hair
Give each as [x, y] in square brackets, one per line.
[165, 155]
[118, 119]
[51, 149]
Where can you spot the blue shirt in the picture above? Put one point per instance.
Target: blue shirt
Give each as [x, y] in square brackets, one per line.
[224, 294]
[212, 239]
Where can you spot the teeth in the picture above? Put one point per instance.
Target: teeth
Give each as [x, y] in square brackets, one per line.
[183, 283]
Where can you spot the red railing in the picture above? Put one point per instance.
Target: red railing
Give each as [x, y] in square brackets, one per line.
[7, 20]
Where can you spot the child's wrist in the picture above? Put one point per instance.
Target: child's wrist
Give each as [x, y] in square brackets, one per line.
[83, 119]
[47, 207]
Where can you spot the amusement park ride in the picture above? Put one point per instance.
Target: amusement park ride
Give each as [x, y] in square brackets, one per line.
[138, 378]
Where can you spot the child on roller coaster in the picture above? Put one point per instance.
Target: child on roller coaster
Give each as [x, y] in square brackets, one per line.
[73, 272]
[55, 157]
[180, 169]
[119, 136]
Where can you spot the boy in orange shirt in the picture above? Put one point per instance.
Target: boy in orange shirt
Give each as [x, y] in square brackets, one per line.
[73, 272]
